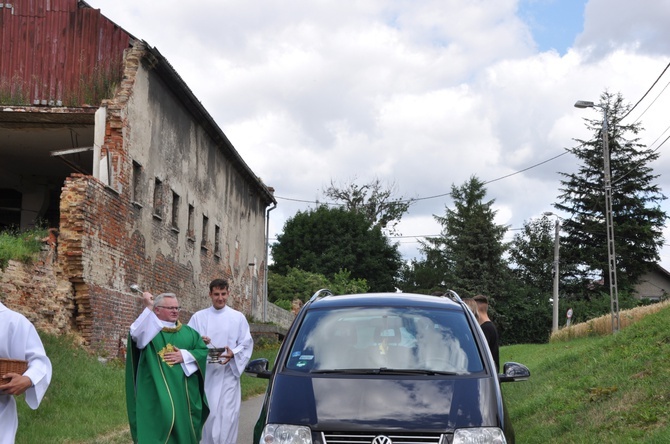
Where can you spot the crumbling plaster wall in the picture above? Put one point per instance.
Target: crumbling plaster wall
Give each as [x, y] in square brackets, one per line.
[172, 147]
[112, 237]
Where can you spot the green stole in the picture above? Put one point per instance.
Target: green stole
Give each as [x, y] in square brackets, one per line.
[164, 406]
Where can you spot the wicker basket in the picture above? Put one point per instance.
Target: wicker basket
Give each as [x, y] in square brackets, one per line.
[11, 366]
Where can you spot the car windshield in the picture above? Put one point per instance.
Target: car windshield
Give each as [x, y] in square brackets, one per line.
[379, 339]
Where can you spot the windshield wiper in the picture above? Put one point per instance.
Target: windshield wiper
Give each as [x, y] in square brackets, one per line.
[356, 371]
[411, 371]
[384, 371]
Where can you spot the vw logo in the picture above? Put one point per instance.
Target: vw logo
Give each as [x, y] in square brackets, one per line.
[381, 439]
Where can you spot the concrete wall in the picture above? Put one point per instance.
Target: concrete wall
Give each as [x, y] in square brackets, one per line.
[279, 316]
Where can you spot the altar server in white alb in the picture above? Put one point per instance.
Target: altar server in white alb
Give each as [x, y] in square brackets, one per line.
[221, 326]
[19, 340]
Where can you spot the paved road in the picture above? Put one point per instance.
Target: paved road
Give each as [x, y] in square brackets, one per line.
[249, 412]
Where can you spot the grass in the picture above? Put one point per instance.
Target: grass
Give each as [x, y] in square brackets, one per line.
[602, 389]
[20, 246]
[84, 399]
[595, 389]
[12, 92]
[86, 403]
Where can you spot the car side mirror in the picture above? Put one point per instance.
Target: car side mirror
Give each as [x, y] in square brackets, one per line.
[513, 372]
[258, 368]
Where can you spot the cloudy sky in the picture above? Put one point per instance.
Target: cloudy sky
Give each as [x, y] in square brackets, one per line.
[422, 94]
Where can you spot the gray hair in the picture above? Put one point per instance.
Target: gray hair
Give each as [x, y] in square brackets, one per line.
[159, 299]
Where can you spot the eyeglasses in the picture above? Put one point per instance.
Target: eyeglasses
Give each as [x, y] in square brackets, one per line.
[169, 308]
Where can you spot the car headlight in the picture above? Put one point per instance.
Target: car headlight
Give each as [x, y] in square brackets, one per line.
[479, 435]
[286, 434]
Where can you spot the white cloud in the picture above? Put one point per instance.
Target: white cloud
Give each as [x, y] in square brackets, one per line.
[423, 94]
[635, 27]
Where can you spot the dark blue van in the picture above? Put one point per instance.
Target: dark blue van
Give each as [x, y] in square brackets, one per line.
[390, 368]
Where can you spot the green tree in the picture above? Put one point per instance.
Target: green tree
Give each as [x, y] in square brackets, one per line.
[423, 276]
[327, 240]
[299, 284]
[638, 219]
[470, 247]
[343, 283]
[295, 284]
[527, 301]
[531, 254]
[523, 315]
[375, 200]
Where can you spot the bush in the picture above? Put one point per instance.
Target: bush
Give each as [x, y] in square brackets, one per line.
[299, 284]
[283, 303]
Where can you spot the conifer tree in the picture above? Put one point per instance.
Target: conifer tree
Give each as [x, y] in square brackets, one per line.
[470, 246]
[637, 216]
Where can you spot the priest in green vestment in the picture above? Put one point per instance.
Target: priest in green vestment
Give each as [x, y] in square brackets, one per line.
[165, 371]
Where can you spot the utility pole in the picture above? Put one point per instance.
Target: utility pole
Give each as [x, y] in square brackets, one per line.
[557, 231]
[556, 245]
[611, 255]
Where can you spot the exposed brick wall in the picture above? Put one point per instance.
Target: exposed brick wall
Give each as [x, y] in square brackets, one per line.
[70, 246]
[113, 312]
[102, 259]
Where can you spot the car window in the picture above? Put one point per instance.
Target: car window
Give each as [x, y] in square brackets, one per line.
[439, 340]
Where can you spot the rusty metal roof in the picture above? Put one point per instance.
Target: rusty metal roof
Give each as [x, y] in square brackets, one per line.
[58, 52]
[64, 53]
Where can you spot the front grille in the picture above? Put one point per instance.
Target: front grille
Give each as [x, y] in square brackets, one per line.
[395, 437]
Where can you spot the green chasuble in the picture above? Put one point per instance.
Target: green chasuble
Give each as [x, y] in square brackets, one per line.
[164, 406]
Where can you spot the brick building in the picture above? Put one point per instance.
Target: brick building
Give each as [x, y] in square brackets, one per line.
[101, 139]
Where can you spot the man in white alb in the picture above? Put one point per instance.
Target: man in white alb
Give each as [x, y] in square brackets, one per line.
[19, 340]
[221, 326]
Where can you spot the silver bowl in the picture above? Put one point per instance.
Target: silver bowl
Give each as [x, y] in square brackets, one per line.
[214, 354]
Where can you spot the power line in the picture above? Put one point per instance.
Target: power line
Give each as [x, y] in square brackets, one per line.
[526, 169]
[621, 177]
[437, 195]
[652, 102]
[519, 171]
[645, 94]
[640, 117]
[516, 172]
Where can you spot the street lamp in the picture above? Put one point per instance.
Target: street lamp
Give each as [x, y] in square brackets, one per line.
[611, 256]
[557, 226]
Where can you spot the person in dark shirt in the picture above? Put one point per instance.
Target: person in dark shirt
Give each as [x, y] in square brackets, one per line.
[488, 328]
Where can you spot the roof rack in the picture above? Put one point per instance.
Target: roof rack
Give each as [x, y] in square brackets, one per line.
[450, 294]
[453, 295]
[321, 294]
